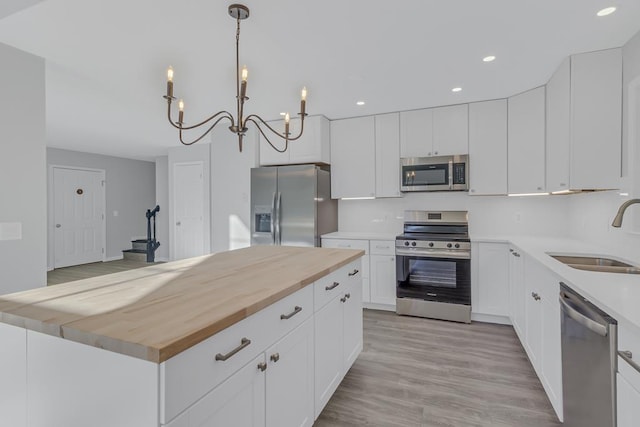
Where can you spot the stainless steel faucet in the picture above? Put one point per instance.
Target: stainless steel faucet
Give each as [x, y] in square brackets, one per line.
[617, 221]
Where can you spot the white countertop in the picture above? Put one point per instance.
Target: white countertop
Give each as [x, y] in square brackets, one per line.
[360, 235]
[616, 294]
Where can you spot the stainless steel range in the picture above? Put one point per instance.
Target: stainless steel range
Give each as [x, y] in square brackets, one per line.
[433, 266]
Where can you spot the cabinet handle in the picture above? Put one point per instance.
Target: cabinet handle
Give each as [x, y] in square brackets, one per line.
[347, 296]
[382, 247]
[243, 343]
[343, 299]
[262, 366]
[333, 286]
[516, 254]
[435, 152]
[295, 311]
[535, 296]
[627, 356]
[539, 188]
[354, 272]
[429, 153]
[344, 245]
[562, 184]
[472, 190]
[275, 357]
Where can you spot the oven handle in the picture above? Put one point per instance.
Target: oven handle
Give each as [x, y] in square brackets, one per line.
[433, 254]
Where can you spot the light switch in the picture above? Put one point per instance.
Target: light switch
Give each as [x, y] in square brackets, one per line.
[10, 231]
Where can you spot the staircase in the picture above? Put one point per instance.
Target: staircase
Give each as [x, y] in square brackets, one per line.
[145, 249]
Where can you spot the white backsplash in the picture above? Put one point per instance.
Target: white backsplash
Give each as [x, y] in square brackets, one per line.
[489, 216]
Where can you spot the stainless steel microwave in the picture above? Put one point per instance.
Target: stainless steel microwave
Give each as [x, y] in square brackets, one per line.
[441, 173]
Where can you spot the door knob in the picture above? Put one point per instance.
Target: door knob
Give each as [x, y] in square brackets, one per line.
[58, 225]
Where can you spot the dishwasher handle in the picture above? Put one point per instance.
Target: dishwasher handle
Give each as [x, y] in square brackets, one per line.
[585, 321]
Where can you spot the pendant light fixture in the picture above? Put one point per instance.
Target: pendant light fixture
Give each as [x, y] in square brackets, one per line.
[238, 124]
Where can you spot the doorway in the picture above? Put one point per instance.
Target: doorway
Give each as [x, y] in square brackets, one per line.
[188, 211]
[78, 199]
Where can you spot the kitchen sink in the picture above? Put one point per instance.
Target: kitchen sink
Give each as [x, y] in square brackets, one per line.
[595, 263]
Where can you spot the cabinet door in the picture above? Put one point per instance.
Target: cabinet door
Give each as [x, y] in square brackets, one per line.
[383, 279]
[551, 348]
[353, 158]
[416, 133]
[516, 291]
[596, 119]
[451, 130]
[13, 371]
[628, 403]
[526, 142]
[490, 290]
[329, 338]
[388, 155]
[313, 145]
[352, 307]
[533, 308]
[269, 156]
[239, 401]
[559, 128]
[290, 379]
[488, 147]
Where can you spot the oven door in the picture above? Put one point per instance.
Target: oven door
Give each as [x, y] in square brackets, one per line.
[434, 278]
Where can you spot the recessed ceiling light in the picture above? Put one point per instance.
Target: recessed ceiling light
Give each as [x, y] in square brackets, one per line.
[360, 103]
[489, 58]
[606, 11]
[456, 89]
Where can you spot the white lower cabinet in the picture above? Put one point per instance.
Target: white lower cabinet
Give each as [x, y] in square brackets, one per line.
[628, 402]
[338, 341]
[516, 291]
[238, 401]
[490, 279]
[382, 277]
[290, 379]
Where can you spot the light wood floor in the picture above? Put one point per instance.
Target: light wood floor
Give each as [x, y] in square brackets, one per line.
[428, 373]
[84, 271]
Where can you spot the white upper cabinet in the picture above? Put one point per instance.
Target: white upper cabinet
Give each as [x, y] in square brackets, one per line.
[312, 147]
[416, 133]
[451, 130]
[435, 131]
[488, 147]
[559, 128]
[388, 155]
[353, 158]
[526, 143]
[596, 119]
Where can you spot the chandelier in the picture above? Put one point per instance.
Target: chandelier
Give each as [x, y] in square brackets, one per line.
[239, 125]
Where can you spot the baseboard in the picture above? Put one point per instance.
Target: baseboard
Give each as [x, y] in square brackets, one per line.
[490, 318]
[113, 258]
[162, 259]
[376, 306]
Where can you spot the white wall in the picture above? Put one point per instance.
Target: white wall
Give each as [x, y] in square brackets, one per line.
[162, 199]
[130, 191]
[231, 188]
[199, 152]
[23, 179]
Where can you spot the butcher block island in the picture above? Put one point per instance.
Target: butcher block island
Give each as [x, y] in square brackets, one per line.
[260, 336]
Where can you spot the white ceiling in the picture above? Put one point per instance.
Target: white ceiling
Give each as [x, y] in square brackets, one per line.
[107, 59]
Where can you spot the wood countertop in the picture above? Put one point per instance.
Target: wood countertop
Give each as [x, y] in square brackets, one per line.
[156, 312]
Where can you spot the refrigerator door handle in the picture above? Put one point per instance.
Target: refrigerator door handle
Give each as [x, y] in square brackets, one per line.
[279, 211]
[273, 215]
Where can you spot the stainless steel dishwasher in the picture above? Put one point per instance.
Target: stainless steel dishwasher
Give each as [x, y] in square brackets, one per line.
[589, 344]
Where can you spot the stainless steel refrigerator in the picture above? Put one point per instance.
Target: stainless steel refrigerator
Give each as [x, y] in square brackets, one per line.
[291, 205]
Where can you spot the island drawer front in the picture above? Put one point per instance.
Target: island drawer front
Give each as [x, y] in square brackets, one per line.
[333, 284]
[188, 376]
[347, 244]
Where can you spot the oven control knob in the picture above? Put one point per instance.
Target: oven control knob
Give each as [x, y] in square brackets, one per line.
[457, 245]
[448, 245]
[430, 244]
[406, 243]
[413, 243]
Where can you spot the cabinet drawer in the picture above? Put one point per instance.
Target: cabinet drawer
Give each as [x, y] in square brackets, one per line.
[346, 244]
[382, 247]
[629, 340]
[191, 374]
[330, 286]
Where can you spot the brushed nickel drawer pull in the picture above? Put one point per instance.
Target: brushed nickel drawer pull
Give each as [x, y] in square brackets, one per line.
[275, 357]
[243, 343]
[343, 299]
[333, 286]
[262, 366]
[354, 272]
[295, 311]
[347, 296]
[627, 356]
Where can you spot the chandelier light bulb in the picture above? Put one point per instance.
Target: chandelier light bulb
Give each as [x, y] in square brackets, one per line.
[170, 74]
[181, 106]
[245, 73]
[286, 118]
[304, 93]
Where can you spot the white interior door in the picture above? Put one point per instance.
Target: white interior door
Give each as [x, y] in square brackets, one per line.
[188, 197]
[78, 216]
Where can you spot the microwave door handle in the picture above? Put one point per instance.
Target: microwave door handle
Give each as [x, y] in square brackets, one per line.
[450, 174]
